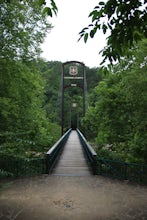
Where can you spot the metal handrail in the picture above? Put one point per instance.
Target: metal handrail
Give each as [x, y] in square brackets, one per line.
[53, 153]
[10, 133]
[122, 170]
[16, 167]
[90, 152]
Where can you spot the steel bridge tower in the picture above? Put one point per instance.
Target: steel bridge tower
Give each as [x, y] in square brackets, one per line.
[73, 75]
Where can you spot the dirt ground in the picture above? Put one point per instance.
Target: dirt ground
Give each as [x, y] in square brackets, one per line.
[72, 198]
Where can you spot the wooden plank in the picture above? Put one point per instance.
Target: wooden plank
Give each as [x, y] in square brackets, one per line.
[72, 160]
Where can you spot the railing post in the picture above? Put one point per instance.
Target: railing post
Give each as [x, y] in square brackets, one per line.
[47, 163]
[95, 165]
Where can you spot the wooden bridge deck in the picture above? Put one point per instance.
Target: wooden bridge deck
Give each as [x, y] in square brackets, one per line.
[72, 161]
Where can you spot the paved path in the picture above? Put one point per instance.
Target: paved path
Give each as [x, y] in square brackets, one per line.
[72, 161]
[72, 198]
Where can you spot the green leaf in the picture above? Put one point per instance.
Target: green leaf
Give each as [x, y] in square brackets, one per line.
[104, 27]
[101, 3]
[85, 37]
[93, 13]
[45, 10]
[97, 7]
[54, 5]
[81, 32]
[92, 32]
[90, 25]
[48, 11]
[55, 11]
[41, 2]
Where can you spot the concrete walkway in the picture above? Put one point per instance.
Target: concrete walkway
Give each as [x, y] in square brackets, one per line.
[72, 161]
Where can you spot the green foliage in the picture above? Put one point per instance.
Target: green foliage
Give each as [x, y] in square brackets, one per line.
[126, 22]
[15, 167]
[106, 153]
[93, 77]
[25, 129]
[4, 173]
[24, 126]
[118, 113]
[49, 10]
[51, 73]
[22, 28]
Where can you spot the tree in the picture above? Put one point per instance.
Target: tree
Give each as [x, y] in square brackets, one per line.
[126, 21]
[118, 114]
[24, 126]
[22, 29]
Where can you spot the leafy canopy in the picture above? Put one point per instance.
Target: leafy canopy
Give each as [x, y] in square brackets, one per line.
[25, 127]
[126, 22]
[22, 29]
[117, 115]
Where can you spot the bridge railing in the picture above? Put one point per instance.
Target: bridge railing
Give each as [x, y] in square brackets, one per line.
[122, 170]
[17, 167]
[90, 152]
[53, 153]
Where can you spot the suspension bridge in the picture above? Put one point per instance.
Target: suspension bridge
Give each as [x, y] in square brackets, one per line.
[72, 155]
[71, 159]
